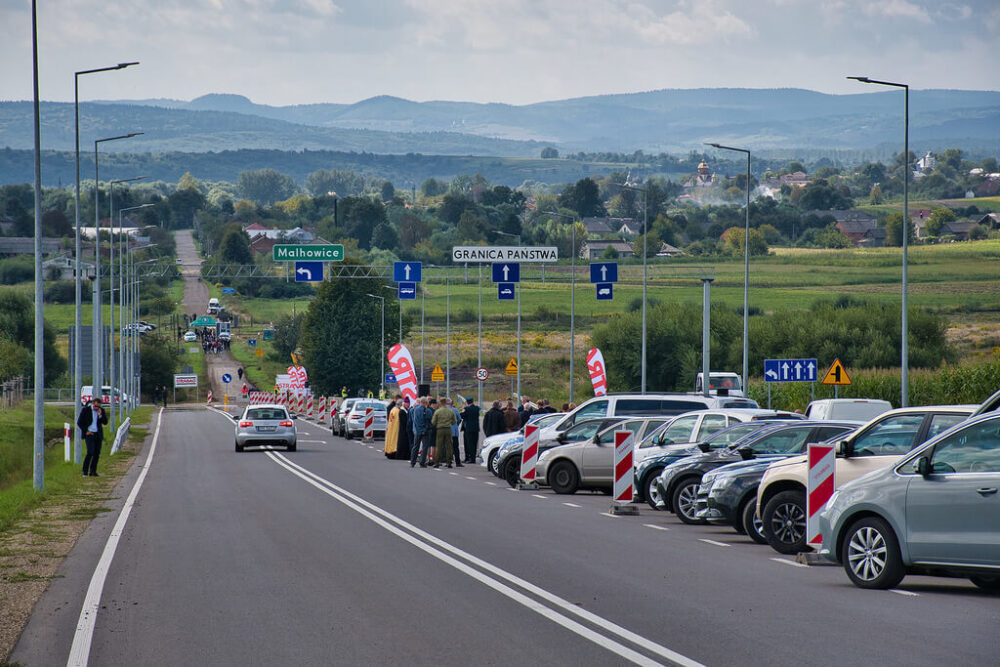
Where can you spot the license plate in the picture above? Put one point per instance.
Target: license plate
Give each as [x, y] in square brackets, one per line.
[265, 429]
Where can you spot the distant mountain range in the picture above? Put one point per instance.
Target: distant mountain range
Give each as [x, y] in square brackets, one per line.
[655, 121]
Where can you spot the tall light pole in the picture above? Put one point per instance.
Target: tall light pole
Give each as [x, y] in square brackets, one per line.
[904, 399]
[381, 342]
[122, 300]
[572, 298]
[98, 321]
[746, 271]
[77, 339]
[38, 447]
[645, 235]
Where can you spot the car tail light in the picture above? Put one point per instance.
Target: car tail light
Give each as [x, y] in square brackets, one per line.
[287, 422]
[245, 424]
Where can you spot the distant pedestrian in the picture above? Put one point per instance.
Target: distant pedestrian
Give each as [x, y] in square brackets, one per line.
[493, 420]
[405, 444]
[444, 418]
[470, 429]
[511, 419]
[163, 392]
[455, 429]
[393, 432]
[529, 410]
[91, 421]
[239, 373]
[418, 425]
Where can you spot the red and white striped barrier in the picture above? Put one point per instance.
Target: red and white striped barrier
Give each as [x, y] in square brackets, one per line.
[301, 404]
[309, 407]
[333, 409]
[529, 458]
[822, 466]
[67, 440]
[209, 396]
[369, 424]
[322, 409]
[623, 474]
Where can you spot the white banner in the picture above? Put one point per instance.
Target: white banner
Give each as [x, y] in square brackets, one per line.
[598, 373]
[401, 363]
[482, 253]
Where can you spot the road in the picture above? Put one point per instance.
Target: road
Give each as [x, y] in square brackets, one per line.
[335, 555]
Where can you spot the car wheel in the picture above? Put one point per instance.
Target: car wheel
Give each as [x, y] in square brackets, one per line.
[347, 433]
[239, 447]
[491, 462]
[785, 522]
[512, 471]
[684, 497]
[649, 490]
[986, 582]
[870, 554]
[751, 523]
[292, 447]
[563, 478]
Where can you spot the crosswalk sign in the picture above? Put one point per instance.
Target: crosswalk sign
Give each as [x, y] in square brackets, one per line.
[437, 375]
[511, 367]
[837, 374]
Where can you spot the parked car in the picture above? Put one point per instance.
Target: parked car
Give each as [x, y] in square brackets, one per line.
[354, 421]
[190, 336]
[781, 501]
[861, 409]
[937, 511]
[588, 463]
[509, 457]
[649, 468]
[149, 326]
[492, 444]
[678, 483]
[87, 394]
[642, 405]
[265, 425]
[338, 419]
[729, 383]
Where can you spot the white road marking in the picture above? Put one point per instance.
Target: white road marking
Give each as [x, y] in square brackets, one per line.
[472, 478]
[906, 593]
[453, 473]
[492, 483]
[481, 570]
[536, 495]
[572, 505]
[319, 441]
[785, 561]
[655, 527]
[613, 516]
[79, 652]
[718, 544]
[509, 488]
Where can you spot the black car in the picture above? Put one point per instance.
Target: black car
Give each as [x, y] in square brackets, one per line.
[509, 456]
[678, 483]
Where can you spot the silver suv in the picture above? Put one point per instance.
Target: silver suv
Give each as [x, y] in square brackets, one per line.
[265, 425]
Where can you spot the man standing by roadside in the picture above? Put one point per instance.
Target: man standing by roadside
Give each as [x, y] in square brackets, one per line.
[163, 390]
[91, 422]
[470, 427]
[442, 421]
[418, 421]
[455, 428]
[493, 420]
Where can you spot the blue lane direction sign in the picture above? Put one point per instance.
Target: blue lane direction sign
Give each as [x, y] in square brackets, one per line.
[789, 370]
[605, 291]
[229, 290]
[506, 272]
[604, 272]
[505, 291]
[390, 378]
[407, 291]
[308, 272]
[407, 272]
[227, 378]
[251, 342]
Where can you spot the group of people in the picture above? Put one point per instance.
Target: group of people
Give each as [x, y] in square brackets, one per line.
[427, 431]
[211, 343]
[505, 419]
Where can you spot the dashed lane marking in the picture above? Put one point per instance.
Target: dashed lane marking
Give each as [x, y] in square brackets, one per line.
[537, 495]
[492, 483]
[572, 505]
[718, 544]
[906, 593]
[785, 561]
[655, 527]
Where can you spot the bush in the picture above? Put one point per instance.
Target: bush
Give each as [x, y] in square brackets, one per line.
[17, 269]
[276, 289]
[64, 291]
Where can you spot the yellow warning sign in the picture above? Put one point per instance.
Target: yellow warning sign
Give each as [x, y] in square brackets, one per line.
[837, 374]
[511, 367]
[437, 375]
[259, 352]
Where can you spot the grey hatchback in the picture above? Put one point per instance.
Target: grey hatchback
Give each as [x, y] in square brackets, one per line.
[265, 425]
[936, 511]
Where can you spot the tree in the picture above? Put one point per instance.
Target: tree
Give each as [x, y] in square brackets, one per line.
[978, 233]
[385, 237]
[287, 331]
[265, 186]
[158, 359]
[734, 241]
[388, 191]
[875, 195]
[548, 153]
[652, 244]
[894, 230]
[235, 248]
[609, 253]
[820, 195]
[322, 182]
[55, 223]
[938, 217]
[583, 197]
[433, 188]
[183, 204]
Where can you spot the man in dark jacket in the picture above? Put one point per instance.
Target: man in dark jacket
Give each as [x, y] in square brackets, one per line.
[91, 421]
[419, 421]
[470, 427]
[493, 421]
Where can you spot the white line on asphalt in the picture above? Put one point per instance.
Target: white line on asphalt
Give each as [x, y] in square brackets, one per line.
[79, 652]
[572, 505]
[453, 473]
[477, 570]
[320, 441]
[509, 488]
[536, 495]
[472, 478]
[613, 516]
[718, 544]
[906, 593]
[491, 483]
[785, 561]
[655, 527]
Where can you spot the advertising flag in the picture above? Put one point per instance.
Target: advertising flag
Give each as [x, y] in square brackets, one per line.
[598, 374]
[402, 367]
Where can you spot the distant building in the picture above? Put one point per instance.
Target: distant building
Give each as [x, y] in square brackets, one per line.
[595, 249]
[597, 227]
[628, 226]
[25, 245]
[958, 228]
[667, 250]
[704, 178]
[63, 267]
[927, 163]
[860, 227]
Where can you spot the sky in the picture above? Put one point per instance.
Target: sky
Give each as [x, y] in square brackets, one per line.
[283, 52]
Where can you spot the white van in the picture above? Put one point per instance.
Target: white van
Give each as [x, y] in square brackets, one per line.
[214, 306]
[730, 383]
[854, 409]
[642, 405]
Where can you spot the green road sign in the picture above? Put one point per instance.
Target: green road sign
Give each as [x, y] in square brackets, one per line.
[330, 252]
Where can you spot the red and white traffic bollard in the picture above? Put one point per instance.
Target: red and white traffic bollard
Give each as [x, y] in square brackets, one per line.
[301, 403]
[369, 424]
[309, 407]
[322, 409]
[333, 409]
[209, 396]
[822, 469]
[529, 459]
[623, 474]
[67, 440]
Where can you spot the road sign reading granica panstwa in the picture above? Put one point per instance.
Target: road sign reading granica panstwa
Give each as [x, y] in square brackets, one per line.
[327, 252]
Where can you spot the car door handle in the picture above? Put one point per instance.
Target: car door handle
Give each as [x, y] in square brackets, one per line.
[986, 490]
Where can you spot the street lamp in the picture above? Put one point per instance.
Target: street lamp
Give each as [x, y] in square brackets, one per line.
[645, 234]
[122, 299]
[904, 347]
[382, 339]
[77, 365]
[746, 270]
[572, 297]
[98, 321]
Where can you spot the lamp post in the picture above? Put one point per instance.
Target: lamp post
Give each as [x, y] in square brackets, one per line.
[645, 234]
[904, 399]
[98, 321]
[746, 271]
[381, 341]
[135, 388]
[122, 300]
[77, 339]
[572, 298]
[38, 408]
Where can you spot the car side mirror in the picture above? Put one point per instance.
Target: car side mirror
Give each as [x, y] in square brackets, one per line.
[596, 440]
[704, 447]
[561, 438]
[924, 466]
[295, 416]
[746, 453]
[846, 448]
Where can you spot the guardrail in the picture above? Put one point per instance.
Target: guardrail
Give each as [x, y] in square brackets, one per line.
[120, 435]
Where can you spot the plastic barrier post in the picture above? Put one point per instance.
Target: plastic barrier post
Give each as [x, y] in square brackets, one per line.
[529, 459]
[623, 475]
[822, 466]
[369, 425]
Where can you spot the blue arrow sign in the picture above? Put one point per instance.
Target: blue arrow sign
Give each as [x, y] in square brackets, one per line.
[505, 291]
[604, 272]
[308, 272]
[506, 272]
[407, 272]
[605, 291]
[790, 370]
[251, 342]
[229, 290]
[227, 378]
[407, 291]
[390, 378]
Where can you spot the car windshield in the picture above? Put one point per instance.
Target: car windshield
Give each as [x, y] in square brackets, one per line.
[265, 413]
[362, 405]
[727, 437]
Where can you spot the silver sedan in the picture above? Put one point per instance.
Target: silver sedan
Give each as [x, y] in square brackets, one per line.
[265, 425]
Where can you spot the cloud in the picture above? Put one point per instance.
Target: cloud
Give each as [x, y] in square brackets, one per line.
[896, 9]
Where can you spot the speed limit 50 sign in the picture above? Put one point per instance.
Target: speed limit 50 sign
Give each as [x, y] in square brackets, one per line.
[482, 374]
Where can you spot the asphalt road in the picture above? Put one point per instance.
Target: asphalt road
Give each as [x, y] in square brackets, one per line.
[335, 555]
